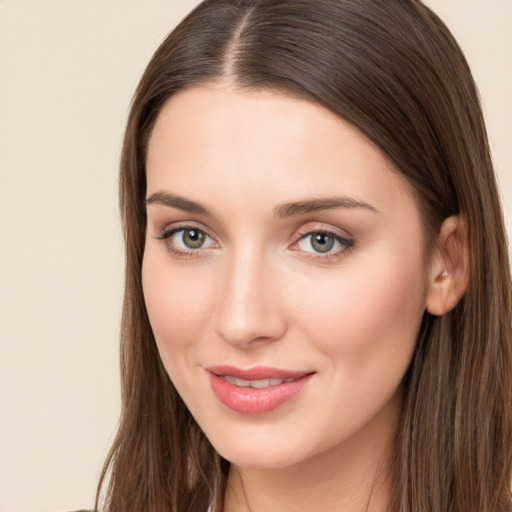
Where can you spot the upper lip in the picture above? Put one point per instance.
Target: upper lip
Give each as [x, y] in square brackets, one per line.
[257, 372]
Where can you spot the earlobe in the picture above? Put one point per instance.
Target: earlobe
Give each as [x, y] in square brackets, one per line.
[448, 276]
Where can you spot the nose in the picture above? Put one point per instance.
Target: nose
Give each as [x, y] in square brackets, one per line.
[249, 308]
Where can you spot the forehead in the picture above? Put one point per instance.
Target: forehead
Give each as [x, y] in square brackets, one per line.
[263, 142]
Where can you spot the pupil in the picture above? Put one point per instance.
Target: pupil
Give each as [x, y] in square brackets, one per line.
[193, 238]
[322, 242]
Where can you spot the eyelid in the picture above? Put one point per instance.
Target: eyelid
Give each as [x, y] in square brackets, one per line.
[342, 236]
[169, 230]
[322, 227]
[345, 239]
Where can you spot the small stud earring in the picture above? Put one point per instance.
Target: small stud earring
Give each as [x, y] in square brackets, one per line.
[443, 274]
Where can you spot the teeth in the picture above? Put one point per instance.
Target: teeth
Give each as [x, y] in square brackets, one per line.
[257, 384]
[263, 383]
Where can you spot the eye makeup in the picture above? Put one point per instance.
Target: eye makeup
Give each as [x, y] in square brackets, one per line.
[316, 242]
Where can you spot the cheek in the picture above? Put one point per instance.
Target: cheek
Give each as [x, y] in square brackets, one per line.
[366, 308]
[177, 305]
[366, 325]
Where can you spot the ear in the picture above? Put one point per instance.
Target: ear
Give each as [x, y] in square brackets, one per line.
[449, 267]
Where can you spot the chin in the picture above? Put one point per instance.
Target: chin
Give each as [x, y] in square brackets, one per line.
[260, 458]
[261, 450]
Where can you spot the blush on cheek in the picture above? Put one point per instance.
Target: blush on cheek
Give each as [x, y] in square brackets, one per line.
[364, 311]
[177, 305]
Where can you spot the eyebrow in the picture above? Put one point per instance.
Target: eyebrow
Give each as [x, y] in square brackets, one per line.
[282, 211]
[316, 205]
[173, 201]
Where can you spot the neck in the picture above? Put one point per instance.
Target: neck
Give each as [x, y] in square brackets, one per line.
[351, 477]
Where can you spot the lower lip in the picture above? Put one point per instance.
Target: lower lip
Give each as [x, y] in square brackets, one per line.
[256, 401]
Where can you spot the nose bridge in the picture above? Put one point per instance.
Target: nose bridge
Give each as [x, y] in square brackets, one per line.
[248, 306]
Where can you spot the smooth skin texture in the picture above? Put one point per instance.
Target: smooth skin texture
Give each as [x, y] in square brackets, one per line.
[279, 236]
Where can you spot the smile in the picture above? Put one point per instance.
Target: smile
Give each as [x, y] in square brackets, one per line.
[258, 390]
[257, 384]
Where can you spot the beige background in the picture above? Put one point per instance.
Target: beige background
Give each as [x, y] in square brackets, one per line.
[67, 72]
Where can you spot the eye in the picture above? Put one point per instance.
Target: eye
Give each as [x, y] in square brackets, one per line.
[190, 238]
[186, 239]
[323, 242]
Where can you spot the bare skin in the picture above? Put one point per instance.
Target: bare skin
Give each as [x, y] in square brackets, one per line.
[279, 237]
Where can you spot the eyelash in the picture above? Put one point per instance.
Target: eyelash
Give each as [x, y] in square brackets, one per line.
[346, 243]
[166, 235]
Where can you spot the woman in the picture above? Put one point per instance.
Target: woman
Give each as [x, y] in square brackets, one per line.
[317, 308]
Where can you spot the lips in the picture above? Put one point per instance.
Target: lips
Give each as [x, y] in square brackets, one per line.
[256, 390]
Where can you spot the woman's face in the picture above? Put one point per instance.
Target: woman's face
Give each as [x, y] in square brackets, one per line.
[284, 274]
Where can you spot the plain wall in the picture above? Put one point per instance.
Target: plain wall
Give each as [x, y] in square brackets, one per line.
[68, 69]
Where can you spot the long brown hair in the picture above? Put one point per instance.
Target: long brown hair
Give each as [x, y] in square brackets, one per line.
[393, 70]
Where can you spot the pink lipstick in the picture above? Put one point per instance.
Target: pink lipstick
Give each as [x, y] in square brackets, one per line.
[256, 390]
